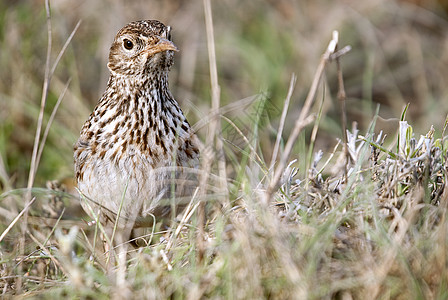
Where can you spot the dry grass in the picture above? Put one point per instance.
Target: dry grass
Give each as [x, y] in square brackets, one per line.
[274, 218]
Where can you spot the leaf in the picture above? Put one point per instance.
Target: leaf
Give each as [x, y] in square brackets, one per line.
[378, 146]
[403, 115]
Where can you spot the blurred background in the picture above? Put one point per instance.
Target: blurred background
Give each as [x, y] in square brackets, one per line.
[399, 55]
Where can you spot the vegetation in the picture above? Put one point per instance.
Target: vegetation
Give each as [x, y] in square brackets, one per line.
[361, 214]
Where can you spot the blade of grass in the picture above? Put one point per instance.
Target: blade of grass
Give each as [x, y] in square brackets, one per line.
[25, 209]
[314, 133]
[42, 247]
[292, 84]
[50, 121]
[253, 152]
[215, 124]
[43, 101]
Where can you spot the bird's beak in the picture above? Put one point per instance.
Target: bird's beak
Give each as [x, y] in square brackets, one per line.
[162, 45]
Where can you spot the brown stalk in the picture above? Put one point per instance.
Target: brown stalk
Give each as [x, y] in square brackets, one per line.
[342, 98]
[50, 121]
[43, 101]
[5, 232]
[42, 247]
[381, 270]
[38, 147]
[214, 132]
[215, 124]
[301, 121]
[33, 166]
[292, 84]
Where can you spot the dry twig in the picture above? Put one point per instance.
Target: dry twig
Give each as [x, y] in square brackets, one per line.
[303, 117]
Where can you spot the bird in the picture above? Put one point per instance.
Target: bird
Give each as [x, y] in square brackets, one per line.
[137, 144]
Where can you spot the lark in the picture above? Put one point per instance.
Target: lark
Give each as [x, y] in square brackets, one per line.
[137, 144]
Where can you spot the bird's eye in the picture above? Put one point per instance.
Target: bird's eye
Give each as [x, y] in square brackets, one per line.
[128, 45]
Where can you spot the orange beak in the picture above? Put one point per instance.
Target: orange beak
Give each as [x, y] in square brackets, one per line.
[162, 45]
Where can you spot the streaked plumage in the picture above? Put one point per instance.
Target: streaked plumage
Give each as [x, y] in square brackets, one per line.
[137, 129]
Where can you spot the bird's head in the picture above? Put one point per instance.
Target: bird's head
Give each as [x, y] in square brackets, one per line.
[142, 47]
